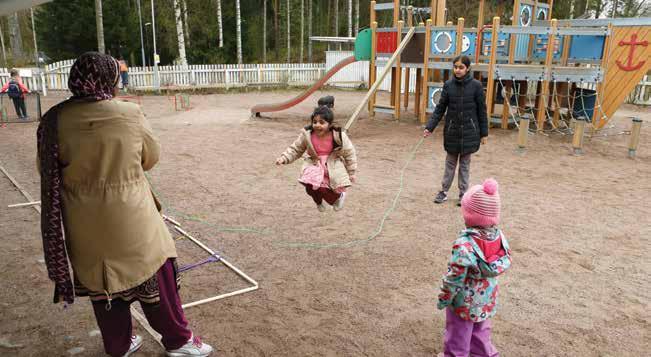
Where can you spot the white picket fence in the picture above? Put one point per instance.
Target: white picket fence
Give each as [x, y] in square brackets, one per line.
[211, 75]
[642, 92]
[32, 77]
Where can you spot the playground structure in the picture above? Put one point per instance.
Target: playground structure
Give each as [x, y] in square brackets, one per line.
[547, 72]
[556, 60]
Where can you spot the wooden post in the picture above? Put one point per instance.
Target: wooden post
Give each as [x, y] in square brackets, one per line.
[419, 84]
[410, 23]
[372, 69]
[394, 73]
[440, 13]
[551, 7]
[480, 15]
[506, 106]
[459, 40]
[397, 94]
[577, 140]
[424, 92]
[419, 80]
[490, 86]
[523, 132]
[565, 54]
[513, 37]
[542, 102]
[396, 12]
[604, 64]
[635, 137]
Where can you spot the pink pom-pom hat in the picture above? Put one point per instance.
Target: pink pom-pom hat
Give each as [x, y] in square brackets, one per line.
[480, 205]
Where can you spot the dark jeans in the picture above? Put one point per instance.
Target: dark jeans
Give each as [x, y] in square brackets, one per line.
[464, 172]
[125, 78]
[322, 193]
[166, 317]
[19, 104]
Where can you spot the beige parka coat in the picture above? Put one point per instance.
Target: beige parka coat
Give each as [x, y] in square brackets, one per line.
[116, 238]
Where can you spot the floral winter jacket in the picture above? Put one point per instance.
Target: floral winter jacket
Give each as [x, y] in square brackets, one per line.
[470, 286]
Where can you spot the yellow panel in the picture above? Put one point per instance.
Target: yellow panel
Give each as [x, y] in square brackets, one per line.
[619, 82]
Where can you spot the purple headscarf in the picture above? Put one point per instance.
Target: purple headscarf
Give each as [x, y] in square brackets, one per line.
[93, 76]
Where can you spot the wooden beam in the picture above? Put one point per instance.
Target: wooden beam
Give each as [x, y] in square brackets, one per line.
[604, 66]
[490, 85]
[372, 68]
[424, 92]
[513, 37]
[398, 81]
[480, 14]
[440, 13]
[542, 103]
[410, 23]
[459, 40]
[396, 12]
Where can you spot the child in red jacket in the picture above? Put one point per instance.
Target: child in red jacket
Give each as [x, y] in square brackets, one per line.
[16, 90]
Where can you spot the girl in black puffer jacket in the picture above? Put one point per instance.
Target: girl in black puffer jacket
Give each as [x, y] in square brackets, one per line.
[466, 124]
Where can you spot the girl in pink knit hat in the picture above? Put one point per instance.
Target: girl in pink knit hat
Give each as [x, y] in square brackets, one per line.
[469, 289]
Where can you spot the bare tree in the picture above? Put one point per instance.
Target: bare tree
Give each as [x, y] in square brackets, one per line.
[2, 41]
[336, 18]
[309, 31]
[302, 27]
[219, 21]
[350, 18]
[264, 31]
[289, 38]
[276, 6]
[179, 33]
[356, 17]
[185, 22]
[239, 31]
[100, 26]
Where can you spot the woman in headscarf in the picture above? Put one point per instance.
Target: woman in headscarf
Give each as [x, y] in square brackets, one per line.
[93, 152]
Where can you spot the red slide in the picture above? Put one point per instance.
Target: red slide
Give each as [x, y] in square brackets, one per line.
[263, 108]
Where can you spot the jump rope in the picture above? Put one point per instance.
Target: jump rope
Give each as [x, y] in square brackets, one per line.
[378, 230]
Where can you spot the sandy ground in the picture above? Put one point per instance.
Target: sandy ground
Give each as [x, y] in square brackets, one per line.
[578, 225]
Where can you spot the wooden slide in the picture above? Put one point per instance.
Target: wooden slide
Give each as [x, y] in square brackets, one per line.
[263, 108]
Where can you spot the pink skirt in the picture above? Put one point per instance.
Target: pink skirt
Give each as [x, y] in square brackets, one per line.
[317, 175]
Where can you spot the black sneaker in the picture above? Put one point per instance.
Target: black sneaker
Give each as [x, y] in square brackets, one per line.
[441, 197]
[459, 203]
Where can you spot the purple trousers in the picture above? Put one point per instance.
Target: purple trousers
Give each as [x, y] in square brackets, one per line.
[465, 338]
[166, 317]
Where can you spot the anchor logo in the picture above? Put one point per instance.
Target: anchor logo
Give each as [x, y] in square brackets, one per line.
[629, 60]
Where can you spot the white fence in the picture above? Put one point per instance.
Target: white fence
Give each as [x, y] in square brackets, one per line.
[32, 77]
[642, 92]
[213, 75]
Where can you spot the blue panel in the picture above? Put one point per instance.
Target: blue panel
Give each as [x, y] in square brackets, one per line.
[587, 47]
[433, 97]
[521, 47]
[502, 44]
[443, 42]
[541, 45]
[470, 40]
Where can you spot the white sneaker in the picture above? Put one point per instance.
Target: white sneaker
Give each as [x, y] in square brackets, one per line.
[136, 343]
[339, 204]
[193, 348]
[321, 207]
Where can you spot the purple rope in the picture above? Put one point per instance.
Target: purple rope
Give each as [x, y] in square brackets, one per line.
[212, 259]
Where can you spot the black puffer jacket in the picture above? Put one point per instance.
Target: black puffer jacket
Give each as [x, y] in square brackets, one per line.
[465, 121]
